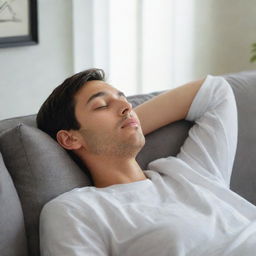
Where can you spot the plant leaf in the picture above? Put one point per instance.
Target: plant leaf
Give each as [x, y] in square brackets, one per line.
[253, 58]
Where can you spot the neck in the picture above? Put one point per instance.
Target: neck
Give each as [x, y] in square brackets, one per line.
[107, 171]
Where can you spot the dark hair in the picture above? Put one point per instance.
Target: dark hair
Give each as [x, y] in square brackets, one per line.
[58, 111]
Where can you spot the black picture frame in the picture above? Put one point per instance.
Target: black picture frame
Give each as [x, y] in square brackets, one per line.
[10, 20]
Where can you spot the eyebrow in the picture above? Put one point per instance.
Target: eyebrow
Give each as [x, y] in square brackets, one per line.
[102, 94]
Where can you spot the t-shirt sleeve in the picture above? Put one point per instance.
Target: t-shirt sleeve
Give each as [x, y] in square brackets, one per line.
[65, 231]
[211, 145]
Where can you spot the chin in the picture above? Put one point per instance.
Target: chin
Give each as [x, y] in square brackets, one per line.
[140, 142]
[133, 145]
[139, 138]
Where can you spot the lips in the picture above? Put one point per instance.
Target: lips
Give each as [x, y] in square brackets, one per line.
[129, 122]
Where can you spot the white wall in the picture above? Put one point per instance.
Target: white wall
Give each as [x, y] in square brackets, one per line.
[198, 37]
[223, 34]
[28, 74]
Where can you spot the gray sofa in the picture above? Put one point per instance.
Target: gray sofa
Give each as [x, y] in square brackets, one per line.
[34, 169]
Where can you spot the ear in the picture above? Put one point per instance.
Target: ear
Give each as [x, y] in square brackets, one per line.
[68, 140]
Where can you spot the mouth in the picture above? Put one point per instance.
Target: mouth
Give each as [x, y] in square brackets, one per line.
[130, 122]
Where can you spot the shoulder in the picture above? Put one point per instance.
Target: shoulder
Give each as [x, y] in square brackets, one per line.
[69, 201]
[216, 83]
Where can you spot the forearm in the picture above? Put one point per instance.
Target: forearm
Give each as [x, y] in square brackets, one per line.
[168, 107]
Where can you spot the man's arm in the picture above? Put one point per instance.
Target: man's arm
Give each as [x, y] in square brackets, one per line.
[211, 144]
[168, 107]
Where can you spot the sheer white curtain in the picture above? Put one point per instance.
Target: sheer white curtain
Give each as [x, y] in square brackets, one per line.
[151, 44]
[143, 45]
[124, 43]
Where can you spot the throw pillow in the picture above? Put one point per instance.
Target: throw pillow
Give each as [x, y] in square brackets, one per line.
[41, 170]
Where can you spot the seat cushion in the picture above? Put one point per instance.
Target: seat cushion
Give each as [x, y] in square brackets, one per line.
[13, 238]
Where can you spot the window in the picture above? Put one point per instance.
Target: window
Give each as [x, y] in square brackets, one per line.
[143, 45]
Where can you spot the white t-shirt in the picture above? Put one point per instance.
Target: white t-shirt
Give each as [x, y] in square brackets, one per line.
[185, 207]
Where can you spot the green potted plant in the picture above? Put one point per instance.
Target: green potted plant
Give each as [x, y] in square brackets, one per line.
[253, 58]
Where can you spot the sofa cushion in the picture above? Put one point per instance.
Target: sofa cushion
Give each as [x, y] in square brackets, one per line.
[9, 123]
[13, 238]
[243, 179]
[41, 170]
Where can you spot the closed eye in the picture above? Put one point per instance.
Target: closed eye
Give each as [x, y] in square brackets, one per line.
[101, 107]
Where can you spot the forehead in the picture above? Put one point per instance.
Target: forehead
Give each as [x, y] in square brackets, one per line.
[93, 87]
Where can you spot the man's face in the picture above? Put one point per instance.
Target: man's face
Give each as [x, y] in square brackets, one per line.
[109, 126]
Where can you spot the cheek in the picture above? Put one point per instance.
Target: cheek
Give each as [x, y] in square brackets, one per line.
[102, 121]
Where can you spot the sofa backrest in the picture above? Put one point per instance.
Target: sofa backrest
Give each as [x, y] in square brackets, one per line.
[244, 172]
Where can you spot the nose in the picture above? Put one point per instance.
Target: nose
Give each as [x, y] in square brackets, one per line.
[125, 108]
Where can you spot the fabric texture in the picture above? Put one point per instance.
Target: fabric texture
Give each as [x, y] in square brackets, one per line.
[185, 207]
[13, 238]
[41, 170]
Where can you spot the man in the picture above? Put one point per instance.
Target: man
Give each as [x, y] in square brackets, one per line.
[181, 206]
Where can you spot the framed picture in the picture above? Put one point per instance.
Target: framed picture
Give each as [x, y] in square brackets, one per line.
[18, 23]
